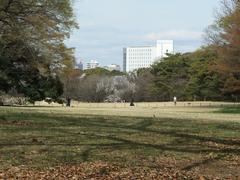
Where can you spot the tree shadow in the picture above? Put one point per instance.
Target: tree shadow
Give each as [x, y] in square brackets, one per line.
[143, 125]
[183, 142]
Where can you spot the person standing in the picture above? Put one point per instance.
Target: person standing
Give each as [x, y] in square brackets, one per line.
[132, 102]
[175, 100]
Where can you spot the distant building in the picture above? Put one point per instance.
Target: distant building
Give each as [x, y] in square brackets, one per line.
[92, 64]
[113, 67]
[144, 56]
[80, 65]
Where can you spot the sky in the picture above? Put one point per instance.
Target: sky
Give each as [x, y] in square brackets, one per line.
[107, 26]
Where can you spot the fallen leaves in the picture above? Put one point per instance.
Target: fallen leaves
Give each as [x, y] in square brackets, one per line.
[99, 171]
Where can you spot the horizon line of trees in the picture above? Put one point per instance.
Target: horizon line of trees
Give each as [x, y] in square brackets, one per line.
[188, 76]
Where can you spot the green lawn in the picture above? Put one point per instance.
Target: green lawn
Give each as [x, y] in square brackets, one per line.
[230, 110]
[44, 139]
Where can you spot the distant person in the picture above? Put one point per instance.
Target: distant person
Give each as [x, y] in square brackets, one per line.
[68, 102]
[132, 102]
[175, 100]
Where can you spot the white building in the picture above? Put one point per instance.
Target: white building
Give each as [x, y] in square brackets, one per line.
[144, 56]
[113, 67]
[92, 64]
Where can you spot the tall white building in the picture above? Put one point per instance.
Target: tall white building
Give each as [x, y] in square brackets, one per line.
[144, 56]
[92, 64]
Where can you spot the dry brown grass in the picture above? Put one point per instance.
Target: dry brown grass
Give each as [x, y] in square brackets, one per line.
[184, 110]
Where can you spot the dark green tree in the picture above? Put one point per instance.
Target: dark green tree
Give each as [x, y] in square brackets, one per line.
[171, 76]
[204, 83]
[32, 50]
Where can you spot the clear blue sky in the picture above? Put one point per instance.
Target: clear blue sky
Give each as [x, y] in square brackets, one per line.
[106, 26]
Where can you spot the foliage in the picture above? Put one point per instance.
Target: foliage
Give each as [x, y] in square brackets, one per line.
[99, 88]
[32, 50]
[102, 72]
[144, 86]
[227, 32]
[97, 85]
[204, 83]
[171, 76]
[71, 80]
[188, 76]
[210, 73]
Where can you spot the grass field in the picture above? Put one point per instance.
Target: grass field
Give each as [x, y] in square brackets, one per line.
[198, 140]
